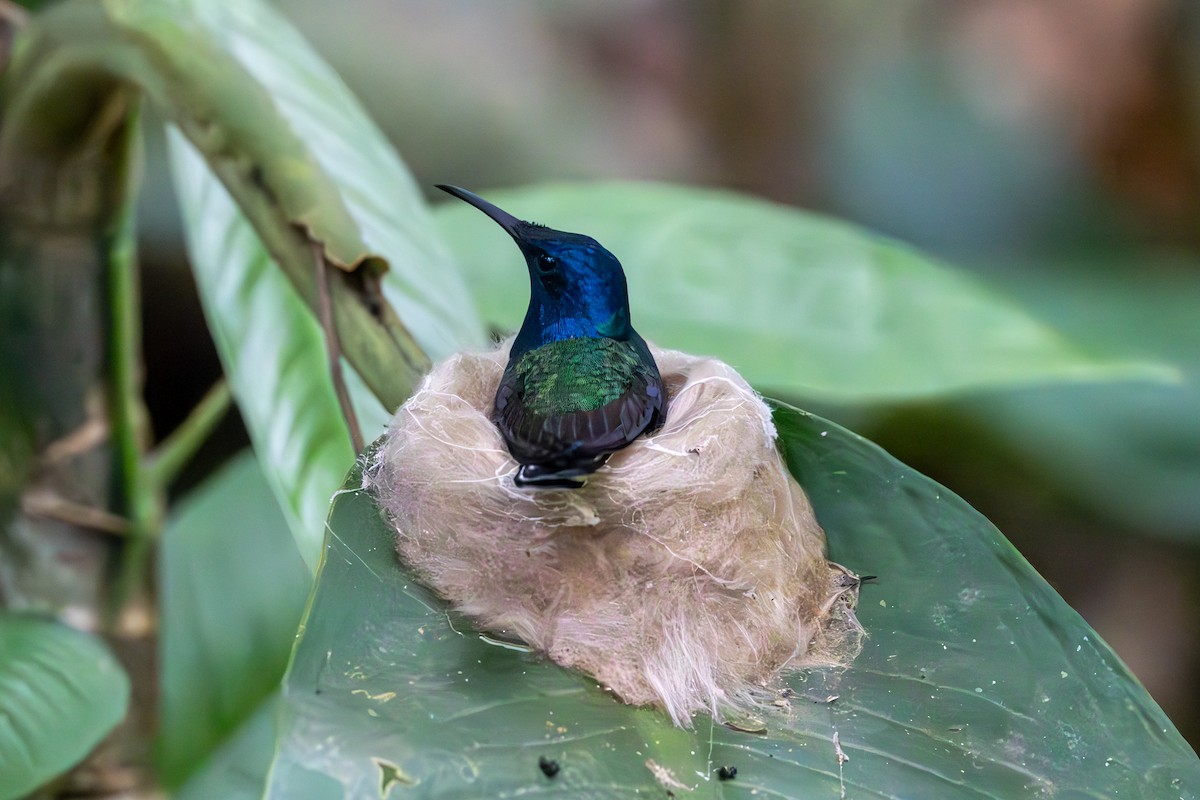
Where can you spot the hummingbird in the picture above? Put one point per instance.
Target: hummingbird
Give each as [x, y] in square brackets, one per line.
[580, 382]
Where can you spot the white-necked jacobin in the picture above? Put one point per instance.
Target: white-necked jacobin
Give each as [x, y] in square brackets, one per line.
[580, 382]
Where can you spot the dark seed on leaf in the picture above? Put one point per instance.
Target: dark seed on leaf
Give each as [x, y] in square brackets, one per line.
[548, 766]
[727, 773]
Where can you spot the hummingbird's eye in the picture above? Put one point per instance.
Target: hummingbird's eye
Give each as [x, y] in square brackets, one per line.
[546, 263]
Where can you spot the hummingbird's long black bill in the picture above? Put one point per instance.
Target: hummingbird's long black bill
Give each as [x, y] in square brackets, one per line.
[503, 218]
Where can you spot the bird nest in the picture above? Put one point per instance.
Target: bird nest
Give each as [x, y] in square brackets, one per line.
[688, 573]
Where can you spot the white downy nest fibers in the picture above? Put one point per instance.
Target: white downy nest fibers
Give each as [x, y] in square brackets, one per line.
[687, 573]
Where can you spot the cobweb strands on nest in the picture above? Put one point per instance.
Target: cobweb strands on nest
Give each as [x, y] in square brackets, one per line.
[688, 572]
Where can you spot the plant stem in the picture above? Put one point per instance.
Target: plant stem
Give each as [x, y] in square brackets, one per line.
[164, 464]
[143, 500]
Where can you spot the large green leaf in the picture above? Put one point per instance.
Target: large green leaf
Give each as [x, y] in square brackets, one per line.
[977, 680]
[798, 303]
[61, 692]
[272, 349]
[233, 589]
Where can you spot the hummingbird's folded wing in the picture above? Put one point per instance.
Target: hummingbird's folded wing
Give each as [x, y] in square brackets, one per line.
[578, 438]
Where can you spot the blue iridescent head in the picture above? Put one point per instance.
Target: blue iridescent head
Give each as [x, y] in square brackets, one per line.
[576, 287]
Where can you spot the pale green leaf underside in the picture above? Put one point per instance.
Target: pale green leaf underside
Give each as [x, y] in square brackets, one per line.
[61, 692]
[977, 680]
[799, 303]
[272, 349]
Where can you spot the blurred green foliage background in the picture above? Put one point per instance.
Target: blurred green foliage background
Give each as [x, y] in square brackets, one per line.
[1052, 146]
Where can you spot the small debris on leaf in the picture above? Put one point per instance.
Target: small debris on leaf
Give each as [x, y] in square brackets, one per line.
[842, 758]
[746, 725]
[389, 775]
[727, 772]
[548, 766]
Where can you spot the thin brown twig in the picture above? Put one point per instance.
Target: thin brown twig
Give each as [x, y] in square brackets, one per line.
[47, 504]
[333, 348]
[93, 432]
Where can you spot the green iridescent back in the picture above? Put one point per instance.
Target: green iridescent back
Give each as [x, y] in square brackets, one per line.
[575, 375]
